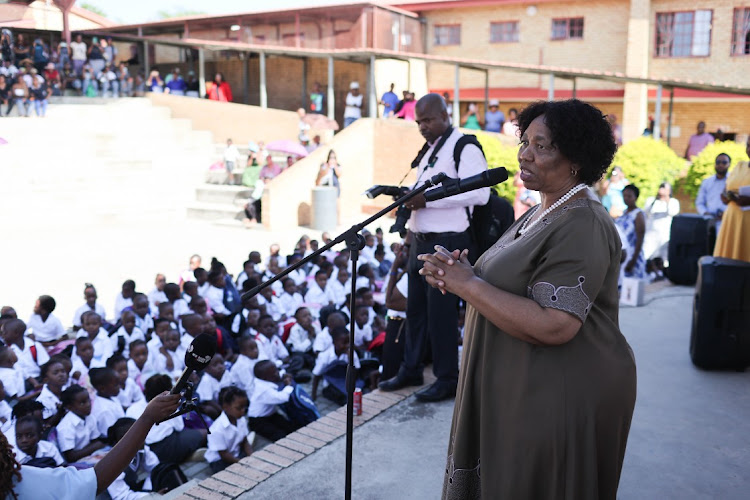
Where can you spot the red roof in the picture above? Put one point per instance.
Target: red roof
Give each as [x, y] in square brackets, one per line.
[532, 94]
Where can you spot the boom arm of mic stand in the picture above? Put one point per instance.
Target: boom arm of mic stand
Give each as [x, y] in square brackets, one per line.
[347, 236]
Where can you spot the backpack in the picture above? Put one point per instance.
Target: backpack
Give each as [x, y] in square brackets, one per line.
[489, 221]
[300, 408]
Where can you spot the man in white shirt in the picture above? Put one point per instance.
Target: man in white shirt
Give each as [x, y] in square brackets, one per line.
[442, 222]
[78, 49]
[231, 157]
[353, 109]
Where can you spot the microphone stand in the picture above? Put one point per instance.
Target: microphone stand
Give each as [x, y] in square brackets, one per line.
[354, 242]
[188, 403]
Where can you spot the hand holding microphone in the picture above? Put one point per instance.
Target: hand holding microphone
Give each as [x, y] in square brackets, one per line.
[197, 357]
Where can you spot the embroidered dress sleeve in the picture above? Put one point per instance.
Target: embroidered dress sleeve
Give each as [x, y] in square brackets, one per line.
[569, 272]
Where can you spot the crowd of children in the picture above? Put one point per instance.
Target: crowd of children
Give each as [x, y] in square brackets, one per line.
[66, 396]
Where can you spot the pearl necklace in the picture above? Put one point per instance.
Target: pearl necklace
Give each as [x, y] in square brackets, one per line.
[526, 226]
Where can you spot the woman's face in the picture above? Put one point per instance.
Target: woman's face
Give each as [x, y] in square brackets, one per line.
[664, 192]
[543, 167]
[218, 78]
[628, 196]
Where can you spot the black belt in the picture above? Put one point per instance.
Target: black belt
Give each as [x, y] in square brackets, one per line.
[433, 236]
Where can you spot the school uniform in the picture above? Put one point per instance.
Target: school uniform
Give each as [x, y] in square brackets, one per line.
[144, 461]
[316, 298]
[203, 289]
[322, 341]
[50, 402]
[363, 282]
[169, 440]
[215, 298]
[367, 256]
[30, 358]
[328, 356]
[299, 338]
[242, 374]
[181, 308]
[274, 308]
[156, 297]
[239, 322]
[277, 287]
[45, 331]
[178, 362]
[274, 347]
[74, 432]
[290, 303]
[208, 388]
[102, 347]
[115, 340]
[121, 303]
[13, 381]
[130, 394]
[225, 436]
[262, 414]
[186, 340]
[98, 309]
[362, 335]
[106, 411]
[140, 376]
[44, 449]
[299, 276]
[339, 291]
[144, 324]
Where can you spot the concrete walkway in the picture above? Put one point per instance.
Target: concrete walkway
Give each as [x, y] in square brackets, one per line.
[690, 437]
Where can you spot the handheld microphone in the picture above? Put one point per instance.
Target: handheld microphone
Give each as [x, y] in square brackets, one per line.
[197, 357]
[451, 187]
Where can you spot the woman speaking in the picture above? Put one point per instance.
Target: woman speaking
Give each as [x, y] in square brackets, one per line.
[547, 384]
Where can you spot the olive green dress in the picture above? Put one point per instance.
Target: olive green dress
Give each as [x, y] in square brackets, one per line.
[546, 422]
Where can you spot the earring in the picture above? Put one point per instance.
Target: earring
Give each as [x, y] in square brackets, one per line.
[573, 172]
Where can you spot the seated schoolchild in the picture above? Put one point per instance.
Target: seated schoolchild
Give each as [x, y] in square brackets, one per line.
[340, 286]
[170, 440]
[127, 486]
[215, 296]
[263, 415]
[192, 326]
[302, 335]
[90, 295]
[129, 392]
[362, 328]
[330, 366]
[270, 301]
[30, 354]
[83, 361]
[54, 377]
[323, 340]
[77, 433]
[126, 334]
[46, 327]
[11, 377]
[271, 344]
[226, 345]
[215, 377]
[157, 296]
[170, 357]
[189, 292]
[105, 408]
[140, 365]
[242, 322]
[201, 280]
[199, 306]
[161, 327]
[67, 364]
[179, 305]
[290, 299]
[92, 327]
[143, 319]
[124, 299]
[23, 408]
[30, 449]
[319, 294]
[227, 441]
[242, 374]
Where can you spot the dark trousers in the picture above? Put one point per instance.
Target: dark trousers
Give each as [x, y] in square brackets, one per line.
[272, 427]
[178, 446]
[432, 317]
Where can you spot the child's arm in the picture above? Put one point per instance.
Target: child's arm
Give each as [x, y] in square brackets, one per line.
[170, 361]
[55, 419]
[247, 447]
[226, 456]
[315, 382]
[75, 455]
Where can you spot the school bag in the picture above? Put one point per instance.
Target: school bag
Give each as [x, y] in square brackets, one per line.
[300, 408]
[491, 220]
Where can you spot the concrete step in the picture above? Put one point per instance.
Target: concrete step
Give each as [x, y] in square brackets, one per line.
[214, 211]
[216, 193]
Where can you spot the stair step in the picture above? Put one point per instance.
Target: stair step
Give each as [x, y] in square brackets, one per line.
[214, 211]
[217, 193]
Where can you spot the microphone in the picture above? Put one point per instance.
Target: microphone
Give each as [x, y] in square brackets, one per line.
[451, 187]
[197, 357]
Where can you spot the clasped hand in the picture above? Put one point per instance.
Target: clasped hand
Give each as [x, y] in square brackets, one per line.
[447, 271]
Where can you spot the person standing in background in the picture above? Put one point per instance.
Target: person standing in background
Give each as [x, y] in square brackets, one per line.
[353, 110]
[494, 118]
[709, 201]
[698, 141]
[389, 102]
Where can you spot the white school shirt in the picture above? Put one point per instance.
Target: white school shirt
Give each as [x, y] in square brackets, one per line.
[26, 363]
[298, 275]
[225, 436]
[98, 309]
[178, 361]
[44, 449]
[13, 381]
[299, 338]
[362, 335]
[130, 395]
[274, 307]
[274, 347]
[106, 411]
[353, 107]
[215, 298]
[367, 256]
[181, 308]
[50, 402]
[208, 388]
[449, 214]
[120, 304]
[158, 432]
[290, 303]
[74, 433]
[144, 461]
[102, 347]
[322, 341]
[203, 289]
[9, 429]
[79, 366]
[136, 334]
[144, 324]
[339, 291]
[266, 397]
[316, 298]
[328, 356]
[242, 374]
[45, 331]
[156, 297]
[141, 376]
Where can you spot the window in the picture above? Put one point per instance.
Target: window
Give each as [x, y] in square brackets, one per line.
[741, 32]
[683, 34]
[448, 34]
[567, 29]
[503, 32]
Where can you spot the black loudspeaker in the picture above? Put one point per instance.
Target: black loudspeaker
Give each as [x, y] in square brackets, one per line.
[691, 237]
[720, 336]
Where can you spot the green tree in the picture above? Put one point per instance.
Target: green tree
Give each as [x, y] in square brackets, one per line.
[93, 8]
[646, 163]
[499, 154]
[166, 14]
[703, 164]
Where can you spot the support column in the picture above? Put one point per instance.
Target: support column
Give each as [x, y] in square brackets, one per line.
[486, 90]
[657, 113]
[456, 98]
[146, 62]
[635, 100]
[263, 93]
[201, 72]
[330, 104]
[575, 88]
[246, 76]
[372, 100]
[304, 83]
[669, 118]
[551, 88]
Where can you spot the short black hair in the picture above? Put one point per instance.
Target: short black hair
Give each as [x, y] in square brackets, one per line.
[26, 407]
[69, 395]
[137, 343]
[724, 154]
[338, 332]
[230, 393]
[118, 430]
[128, 284]
[261, 367]
[579, 130]
[47, 303]
[100, 376]
[45, 368]
[86, 314]
[30, 419]
[155, 385]
[634, 189]
[114, 359]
